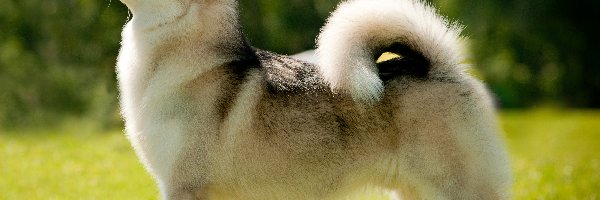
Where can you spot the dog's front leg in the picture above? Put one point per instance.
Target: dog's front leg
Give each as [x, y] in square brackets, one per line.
[184, 192]
[169, 49]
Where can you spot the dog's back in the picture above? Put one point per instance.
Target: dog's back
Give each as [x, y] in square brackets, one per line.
[212, 117]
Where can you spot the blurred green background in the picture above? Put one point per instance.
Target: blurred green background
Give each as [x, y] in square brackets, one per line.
[57, 57]
[59, 120]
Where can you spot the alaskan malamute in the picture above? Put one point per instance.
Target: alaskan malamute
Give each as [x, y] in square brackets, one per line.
[211, 117]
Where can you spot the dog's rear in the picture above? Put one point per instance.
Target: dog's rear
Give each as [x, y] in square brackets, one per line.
[212, 117]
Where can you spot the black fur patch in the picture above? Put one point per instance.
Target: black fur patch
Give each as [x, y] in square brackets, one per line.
[283, 75]
[236, 72]
[288, 75]
[411, 63]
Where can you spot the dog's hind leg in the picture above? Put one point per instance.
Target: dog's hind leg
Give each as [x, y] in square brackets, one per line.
[448, 143]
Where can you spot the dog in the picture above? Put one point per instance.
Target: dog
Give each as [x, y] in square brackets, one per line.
[211, 117]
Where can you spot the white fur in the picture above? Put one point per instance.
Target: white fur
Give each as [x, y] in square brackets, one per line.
[149, 87]
[357, 27]
[154, 137]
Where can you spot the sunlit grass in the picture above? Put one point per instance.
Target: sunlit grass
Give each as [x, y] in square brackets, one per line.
[555, 155]
[71, 164]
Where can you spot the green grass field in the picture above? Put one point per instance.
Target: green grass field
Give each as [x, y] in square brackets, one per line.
[555, 155]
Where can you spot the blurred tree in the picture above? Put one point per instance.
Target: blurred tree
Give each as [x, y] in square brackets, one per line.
[287, 26]
[57, 57]
[532, 51]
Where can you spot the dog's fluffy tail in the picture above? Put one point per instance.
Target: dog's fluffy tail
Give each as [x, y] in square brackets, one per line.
[359, 31]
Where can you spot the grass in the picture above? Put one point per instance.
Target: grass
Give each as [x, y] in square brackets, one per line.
[555, 155]
[71, 164]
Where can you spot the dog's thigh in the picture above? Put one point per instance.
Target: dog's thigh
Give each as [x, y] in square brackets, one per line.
[429, 170]
[432, 170]
[448, 145]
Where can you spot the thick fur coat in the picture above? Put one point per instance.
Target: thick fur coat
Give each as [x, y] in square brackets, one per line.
[211, 117]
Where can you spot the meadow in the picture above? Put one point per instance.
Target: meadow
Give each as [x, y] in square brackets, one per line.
[555, 155]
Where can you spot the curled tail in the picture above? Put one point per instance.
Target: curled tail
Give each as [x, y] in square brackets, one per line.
[359, 31]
